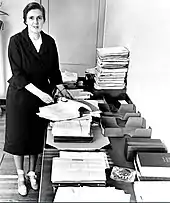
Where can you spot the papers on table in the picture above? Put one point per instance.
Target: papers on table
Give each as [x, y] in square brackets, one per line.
[69, 109]
[80, 94]
[86, 155]
[90, 194]
[79, 167]
[75, 130]
[99, 141]
[152, 191]
[78, 127]
[69, 76]
[62, 110]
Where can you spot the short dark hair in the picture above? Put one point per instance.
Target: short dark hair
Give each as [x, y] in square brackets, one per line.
[31, 6]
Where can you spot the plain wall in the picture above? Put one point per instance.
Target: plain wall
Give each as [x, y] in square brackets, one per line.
[143, 26]
[12, 24]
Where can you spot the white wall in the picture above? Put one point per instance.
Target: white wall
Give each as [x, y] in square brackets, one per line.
[13, 24]
[144, 27]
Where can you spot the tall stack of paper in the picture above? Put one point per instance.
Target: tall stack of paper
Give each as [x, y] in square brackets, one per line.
[79, 167]
[112, 67]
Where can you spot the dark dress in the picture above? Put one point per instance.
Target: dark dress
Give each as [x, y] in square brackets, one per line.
[24, 129]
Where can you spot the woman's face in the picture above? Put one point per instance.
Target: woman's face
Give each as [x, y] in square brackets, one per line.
[34, 21]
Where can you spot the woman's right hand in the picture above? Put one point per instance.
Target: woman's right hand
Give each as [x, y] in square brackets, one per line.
[42, 95]
[46, 97]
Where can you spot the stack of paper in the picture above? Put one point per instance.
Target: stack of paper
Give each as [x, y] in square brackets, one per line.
[79, 167]
[80, 94]
[90, 194]
[112, 68]
[69, 76]
[75, 130]
[62, 110]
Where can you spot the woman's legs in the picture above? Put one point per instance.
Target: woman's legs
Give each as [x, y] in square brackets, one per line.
[31, 174]
[19, 163]
[32, 162]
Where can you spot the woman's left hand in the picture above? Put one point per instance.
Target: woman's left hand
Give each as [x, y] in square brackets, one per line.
[66, 94]
[63, 92]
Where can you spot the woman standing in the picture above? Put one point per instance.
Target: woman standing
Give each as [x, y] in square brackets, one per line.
[35, 69]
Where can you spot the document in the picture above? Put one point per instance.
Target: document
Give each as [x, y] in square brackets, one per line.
[74, 127]
[80, 94]
[78, 168]
[69, 76]
[90, 194]
[152, 191]
[86, 155]
[62, 110]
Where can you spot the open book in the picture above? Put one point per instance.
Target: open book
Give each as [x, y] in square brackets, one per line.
[79, 167]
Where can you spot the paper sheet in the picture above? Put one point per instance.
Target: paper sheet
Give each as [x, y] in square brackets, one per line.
[62, 110]
[90, 194]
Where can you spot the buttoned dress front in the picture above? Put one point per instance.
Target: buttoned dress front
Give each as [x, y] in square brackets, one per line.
[25, 130]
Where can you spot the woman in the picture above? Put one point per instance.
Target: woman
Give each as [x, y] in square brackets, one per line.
[34, 63]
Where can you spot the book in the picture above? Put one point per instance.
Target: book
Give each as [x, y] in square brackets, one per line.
[153, 164]
[79, 167]
[139, 177]
[90, 194]
[134, 145]
[75, 130]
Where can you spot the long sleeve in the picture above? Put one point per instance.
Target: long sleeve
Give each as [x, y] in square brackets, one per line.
[55, 75]
[18, 79]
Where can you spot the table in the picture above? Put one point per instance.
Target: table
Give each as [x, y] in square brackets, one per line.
[115, 151]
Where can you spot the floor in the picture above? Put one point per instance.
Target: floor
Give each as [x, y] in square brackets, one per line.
[8, 177]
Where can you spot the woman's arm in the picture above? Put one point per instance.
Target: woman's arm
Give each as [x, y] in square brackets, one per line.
[42, 95]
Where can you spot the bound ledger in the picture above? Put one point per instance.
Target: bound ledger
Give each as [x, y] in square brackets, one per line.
[79, 167]
[153, 164]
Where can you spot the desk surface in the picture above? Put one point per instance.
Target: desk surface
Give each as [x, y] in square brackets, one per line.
[116, 153]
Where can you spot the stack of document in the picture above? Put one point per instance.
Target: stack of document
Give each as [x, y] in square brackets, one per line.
[69, 76]
[112, 67]
[79, 167]
[75, 130]
[80, 94]
[63, 110]
[90, 194]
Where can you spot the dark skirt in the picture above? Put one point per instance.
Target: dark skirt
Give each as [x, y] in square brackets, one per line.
[25, 130]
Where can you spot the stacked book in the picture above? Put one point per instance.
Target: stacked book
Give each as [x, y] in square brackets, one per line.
[112, 67]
